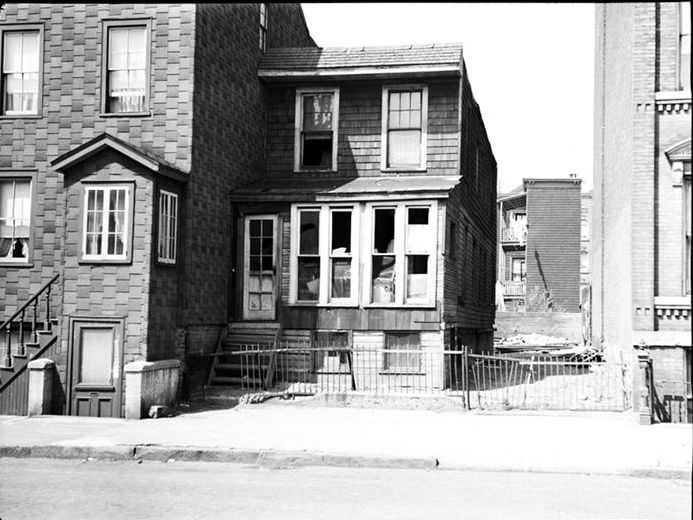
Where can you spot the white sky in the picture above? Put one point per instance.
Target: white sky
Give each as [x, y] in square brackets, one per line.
[531, 67]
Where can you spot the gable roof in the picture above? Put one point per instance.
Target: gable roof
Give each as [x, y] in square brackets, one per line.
[107, 141]
[310, 62]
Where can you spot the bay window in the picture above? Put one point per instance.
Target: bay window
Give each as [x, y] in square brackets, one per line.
[317, 116]
[106, 224]
[324, 254]
[15, 219]
[403, 238]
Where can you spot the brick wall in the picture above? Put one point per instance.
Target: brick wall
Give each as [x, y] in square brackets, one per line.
[228, 142]
[553, 242]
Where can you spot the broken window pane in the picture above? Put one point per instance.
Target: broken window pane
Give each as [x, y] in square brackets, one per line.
[383, 279]
[417, 277]
[384, 233]
[309, 229]
[317, 150]
[308, 278]
[341, 232]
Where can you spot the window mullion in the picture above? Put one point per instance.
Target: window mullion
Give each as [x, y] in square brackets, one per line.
[324, 253]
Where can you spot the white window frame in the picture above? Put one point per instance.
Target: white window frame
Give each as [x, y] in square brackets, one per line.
[168, 226]
[38, 29]
[325, 254]
[14, 180]
[384, 127]
[401, 251]
[127, 222]
[263, 26]
[298, 127]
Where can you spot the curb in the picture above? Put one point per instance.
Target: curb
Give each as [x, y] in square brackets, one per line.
[262, 458]
[278, 459]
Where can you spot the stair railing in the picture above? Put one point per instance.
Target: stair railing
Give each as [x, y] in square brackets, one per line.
[32, 307]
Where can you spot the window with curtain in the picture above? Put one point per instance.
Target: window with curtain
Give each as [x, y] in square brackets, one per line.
[15, 219]
[106, 221]
[127, 69]
[20, 72]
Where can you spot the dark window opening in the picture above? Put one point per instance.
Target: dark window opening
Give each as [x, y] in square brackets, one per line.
[384, 234]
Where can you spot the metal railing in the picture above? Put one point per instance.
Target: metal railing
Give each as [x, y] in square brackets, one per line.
[513, 288]
[511, 234]
[23, 326]
[480, 381]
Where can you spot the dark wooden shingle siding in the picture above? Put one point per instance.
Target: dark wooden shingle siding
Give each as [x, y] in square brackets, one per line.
[553, 242]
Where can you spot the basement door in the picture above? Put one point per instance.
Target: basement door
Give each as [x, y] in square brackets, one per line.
[96, 368]
[259, 267]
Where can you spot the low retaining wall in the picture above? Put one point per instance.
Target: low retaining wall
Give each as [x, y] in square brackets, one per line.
[558, 324]
[150, 383]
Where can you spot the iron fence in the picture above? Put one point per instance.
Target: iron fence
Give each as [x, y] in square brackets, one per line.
[479, 381]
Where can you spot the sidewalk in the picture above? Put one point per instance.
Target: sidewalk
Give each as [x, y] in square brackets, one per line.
[290, 435]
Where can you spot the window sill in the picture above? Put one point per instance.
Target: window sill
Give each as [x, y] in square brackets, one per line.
[401, 373]
[20, 116]
[400, 306]
[16, 264]
[418, 169]
[160, 263]
[323, 305]
[329, 170]
[125, 114]
[104, 261]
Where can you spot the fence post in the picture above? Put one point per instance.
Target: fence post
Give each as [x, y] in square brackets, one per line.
[465, 377]
[645, 389]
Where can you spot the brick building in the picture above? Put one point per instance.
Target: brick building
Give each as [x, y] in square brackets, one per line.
[539, 246]
[642, 193]
[123, 128]
[377, 208]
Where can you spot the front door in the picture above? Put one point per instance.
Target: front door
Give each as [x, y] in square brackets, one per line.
[95, 380]
[259, 267]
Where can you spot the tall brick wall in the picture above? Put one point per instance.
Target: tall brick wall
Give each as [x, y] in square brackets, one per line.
[553, 241]
[229, 136]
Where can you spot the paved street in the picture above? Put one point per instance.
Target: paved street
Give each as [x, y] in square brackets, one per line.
[73, 489]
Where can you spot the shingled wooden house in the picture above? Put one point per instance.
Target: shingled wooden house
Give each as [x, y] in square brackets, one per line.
[123, 127]
[373, 226]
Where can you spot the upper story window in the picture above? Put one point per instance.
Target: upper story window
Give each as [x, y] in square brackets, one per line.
[20, 72]
[263, 27]
[168, 226]
[107, 221]
[518, 270]
[317, 115]
[405, 112]
[15, 219]
[685, 45]
[126, 69]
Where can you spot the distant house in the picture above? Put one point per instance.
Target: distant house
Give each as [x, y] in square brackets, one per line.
[641, 269]
[539, 246]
